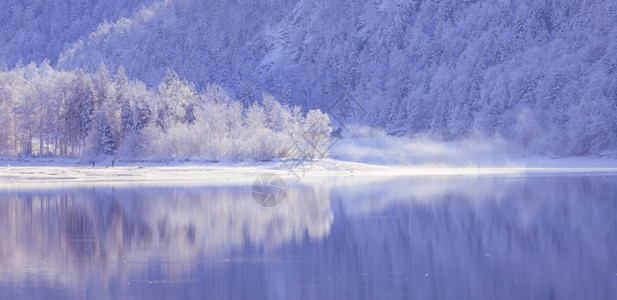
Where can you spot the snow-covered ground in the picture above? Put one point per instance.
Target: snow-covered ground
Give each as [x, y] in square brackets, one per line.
[350, 159]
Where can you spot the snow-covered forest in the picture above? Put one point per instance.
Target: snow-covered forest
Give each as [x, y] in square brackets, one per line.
[46, 112]
[539, 74]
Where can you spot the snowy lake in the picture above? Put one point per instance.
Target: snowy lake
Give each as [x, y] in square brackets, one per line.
[551, 236]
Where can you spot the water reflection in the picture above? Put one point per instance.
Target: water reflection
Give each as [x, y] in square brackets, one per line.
[109, 233]
[444, 237]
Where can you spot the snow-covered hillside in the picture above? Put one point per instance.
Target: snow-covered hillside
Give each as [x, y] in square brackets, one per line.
[41, 29]
[539, 74]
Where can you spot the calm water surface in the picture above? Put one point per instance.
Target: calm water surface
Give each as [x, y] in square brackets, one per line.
[541, 237]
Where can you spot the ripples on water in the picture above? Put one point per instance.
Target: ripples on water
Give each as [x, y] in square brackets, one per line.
[446, 237]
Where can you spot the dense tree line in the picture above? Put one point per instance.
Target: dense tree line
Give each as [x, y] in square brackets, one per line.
[46, 112]
[540, 74]
[34, 30]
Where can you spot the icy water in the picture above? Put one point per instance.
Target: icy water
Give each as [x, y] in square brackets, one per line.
[540, 237]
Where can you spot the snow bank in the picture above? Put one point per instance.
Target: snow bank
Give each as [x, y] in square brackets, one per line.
[352, 160]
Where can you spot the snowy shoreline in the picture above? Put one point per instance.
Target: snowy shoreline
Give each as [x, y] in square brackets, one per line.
[41, 173]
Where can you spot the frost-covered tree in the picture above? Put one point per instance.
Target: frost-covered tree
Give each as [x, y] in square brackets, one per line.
[72, 113]
[178, 99]
[123, 102]
[261, 141]
[101, 140]
[136, 116]
[279, 117]
[11, 87]
[316, 134]
[78, 114]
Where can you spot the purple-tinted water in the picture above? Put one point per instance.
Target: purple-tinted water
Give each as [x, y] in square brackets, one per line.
[426, 237]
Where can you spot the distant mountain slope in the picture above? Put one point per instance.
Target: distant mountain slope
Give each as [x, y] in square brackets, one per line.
[204, 41]
[38, 29]
[541, 74]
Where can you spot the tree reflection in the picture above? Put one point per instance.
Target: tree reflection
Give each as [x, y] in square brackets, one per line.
[100, 229]
[423, 237]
